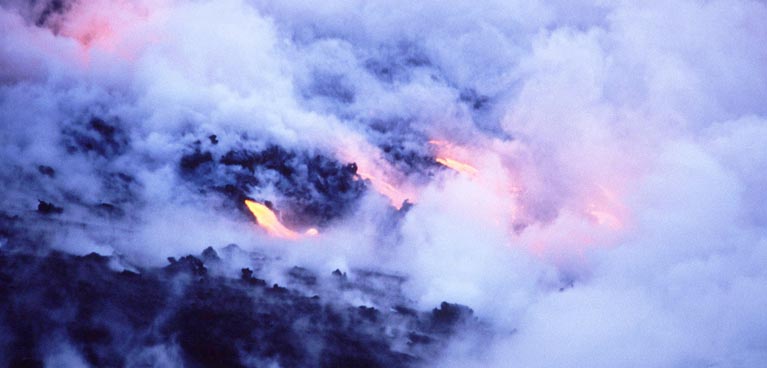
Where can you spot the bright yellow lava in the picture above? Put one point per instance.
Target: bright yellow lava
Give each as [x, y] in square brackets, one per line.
[458, 166]
[267, 219]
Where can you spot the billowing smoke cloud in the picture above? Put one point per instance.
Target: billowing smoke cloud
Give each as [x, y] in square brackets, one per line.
[587, 176]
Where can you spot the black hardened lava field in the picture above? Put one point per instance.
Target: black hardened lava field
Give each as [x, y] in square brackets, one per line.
[183, 311]
[199, 310]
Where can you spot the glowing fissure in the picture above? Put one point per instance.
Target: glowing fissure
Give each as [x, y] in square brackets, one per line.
[383, 178]
[458, 166]
[396, 196]
[268, 221]
[447, 155]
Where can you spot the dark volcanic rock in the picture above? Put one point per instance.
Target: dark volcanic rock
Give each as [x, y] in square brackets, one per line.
[315, 189]
[108, 210]
[397, 62]
[97, 136]
[47, 208]
[302, 276]
[331, 86]
[48, 9]
[193, 161]
[75, 297]
[409, 160]
[111, 317]
[46, 170]
[473, 99]
[188, 264]
[449, 316]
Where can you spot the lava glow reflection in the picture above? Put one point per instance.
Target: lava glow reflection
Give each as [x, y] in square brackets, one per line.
[116, 28]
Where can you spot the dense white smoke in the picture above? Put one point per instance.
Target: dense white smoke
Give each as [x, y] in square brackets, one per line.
[612, 214]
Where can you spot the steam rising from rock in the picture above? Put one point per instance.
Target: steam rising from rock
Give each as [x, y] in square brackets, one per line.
[615, 217]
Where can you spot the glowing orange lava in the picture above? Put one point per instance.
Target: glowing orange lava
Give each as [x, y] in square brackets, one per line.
[458, 166]
[396, 197]
[268, 221]
[448, 155]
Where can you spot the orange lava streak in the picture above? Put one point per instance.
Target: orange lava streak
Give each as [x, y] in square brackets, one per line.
[458, 166]
[267, 219]
[446, 152]
[396, 197]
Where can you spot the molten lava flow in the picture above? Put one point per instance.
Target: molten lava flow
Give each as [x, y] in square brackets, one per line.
[446, 156]
[383, 178]
[267, 219]
[396, 196]
[458, 166]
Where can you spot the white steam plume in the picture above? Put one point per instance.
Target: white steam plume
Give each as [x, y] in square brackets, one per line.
[615, 212]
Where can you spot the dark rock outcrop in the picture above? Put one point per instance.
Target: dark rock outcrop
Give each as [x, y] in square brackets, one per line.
[109, 317]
